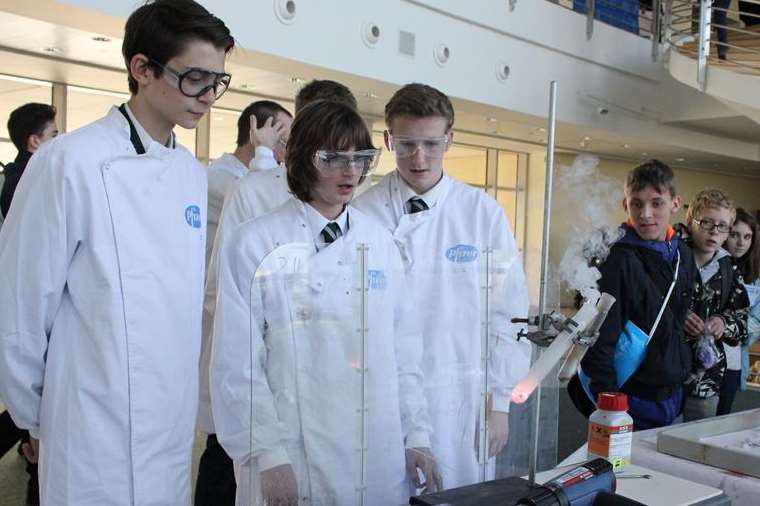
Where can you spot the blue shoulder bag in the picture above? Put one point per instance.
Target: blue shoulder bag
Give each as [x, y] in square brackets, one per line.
[632, 344]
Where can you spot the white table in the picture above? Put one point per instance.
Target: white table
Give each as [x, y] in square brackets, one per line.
[741, 489]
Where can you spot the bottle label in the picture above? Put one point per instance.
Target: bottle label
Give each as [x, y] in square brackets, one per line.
[611, 442]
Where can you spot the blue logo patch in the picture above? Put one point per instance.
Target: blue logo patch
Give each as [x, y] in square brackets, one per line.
[193, 216]
[462, 253]
[377, 280]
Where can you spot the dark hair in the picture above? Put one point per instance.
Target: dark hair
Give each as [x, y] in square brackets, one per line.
[419, 101]
[749, 263]
[323, 124]
[325, 90]
[162, 28]
[29, 119]
[263, 110]
[652, 173]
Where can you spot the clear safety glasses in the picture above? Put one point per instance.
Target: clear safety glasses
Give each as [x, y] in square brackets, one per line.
[332, 163]
[432, 147]
[196, 82]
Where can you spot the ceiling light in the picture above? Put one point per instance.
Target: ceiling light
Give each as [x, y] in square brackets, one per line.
[247, 86]
[492, 120]
[298, 80]
[680, 159]
[644, 154]
[100, 38]
[626, 146]
[52, 49]
[370, 95]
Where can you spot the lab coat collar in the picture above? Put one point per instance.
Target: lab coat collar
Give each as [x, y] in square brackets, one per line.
[151, 146]
[400, 193]
[316, 223]
[431, 197]
[228, 162]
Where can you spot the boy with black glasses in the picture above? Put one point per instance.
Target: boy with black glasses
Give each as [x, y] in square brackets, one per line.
[717, 321]
[102, 261]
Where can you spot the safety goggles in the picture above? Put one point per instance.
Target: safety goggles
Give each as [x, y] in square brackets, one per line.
[196, 82]
[709, 225]
[431, 147]
[331, 162]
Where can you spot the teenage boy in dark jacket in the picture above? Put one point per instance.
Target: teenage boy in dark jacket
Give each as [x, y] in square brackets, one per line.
[720, 305]
[639, 272]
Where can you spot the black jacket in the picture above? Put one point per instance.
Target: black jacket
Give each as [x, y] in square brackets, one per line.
[639, 278]
[13, 173]
[722, 295]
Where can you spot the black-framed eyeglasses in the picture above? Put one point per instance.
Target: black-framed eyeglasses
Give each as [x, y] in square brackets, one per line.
[195, 82]
[709, 225]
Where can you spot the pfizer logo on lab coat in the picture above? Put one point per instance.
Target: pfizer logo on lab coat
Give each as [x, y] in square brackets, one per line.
[193, 216]
[377, 280]
[462, 253]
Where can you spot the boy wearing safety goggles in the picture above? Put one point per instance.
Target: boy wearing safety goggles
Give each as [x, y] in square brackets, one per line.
[442, 228]
[309, 407]
[101, 328]
[716, 325]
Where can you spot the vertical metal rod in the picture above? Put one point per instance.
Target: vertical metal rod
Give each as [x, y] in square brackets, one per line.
[363, 250]
[656, 29]
[705, 25]
[552, 120]
[485, 355]
[590, 11]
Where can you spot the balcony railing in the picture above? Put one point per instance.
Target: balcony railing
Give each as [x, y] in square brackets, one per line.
[723, 33]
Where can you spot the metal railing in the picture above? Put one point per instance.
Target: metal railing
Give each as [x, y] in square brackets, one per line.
[715, 34]
[642, 18]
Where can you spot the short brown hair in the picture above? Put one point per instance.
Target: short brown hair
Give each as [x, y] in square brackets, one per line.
[324, 89]
[262, 110]
[419, 101]
[323, 124]
[654, 174]
[710, 198]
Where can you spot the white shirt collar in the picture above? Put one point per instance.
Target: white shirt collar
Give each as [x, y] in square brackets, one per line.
[431, 197]
[317, 223]
[143, 134]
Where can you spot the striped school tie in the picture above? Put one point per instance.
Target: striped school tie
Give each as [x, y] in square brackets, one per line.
[415, 205]
[331, 232]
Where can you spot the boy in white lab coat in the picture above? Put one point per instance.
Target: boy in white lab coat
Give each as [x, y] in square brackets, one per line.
[102, 262]
[315, 395]
[443, 229]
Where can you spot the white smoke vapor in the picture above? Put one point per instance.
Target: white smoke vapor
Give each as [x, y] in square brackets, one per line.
[592, 200]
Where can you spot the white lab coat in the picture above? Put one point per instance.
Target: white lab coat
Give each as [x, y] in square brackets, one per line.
[101, 278]
[260, 191]
[222, 174]
[443, 249]
[302, 359]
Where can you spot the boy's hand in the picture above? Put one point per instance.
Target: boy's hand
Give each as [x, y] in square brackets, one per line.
[716, 326]
[694, 326]
[31, 450]
[268, 135]
[422, 459]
